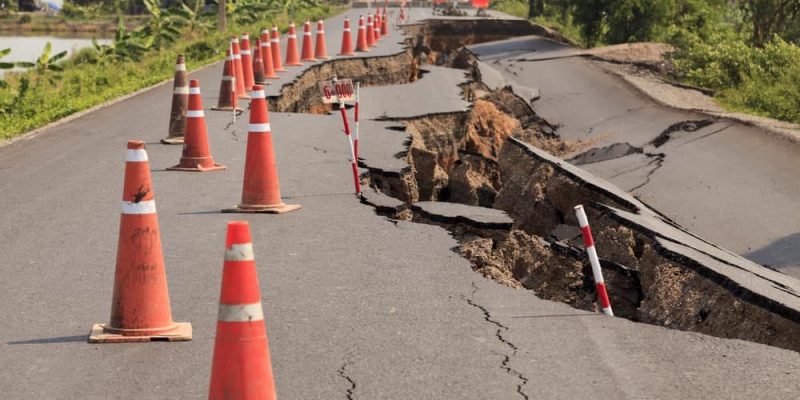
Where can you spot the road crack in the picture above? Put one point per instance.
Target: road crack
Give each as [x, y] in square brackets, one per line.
[657, 159]
[500, 334]
[343, 373]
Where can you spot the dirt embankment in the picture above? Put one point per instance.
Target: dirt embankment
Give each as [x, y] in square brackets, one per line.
[500, 154]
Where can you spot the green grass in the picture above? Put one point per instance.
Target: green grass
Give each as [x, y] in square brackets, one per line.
[83, 85]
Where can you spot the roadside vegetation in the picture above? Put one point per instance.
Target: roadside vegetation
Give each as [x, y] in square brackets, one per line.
[55, 86]
[745, 51]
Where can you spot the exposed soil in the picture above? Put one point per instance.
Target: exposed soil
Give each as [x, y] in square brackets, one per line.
[482, 157]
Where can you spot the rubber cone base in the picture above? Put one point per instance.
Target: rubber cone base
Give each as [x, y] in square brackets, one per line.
[228, 109]
[276, 209]
[181, 333]
[281, 70]
[198, 168]
[244, 96]
[264, 83]
[294, 65]
[173, 140]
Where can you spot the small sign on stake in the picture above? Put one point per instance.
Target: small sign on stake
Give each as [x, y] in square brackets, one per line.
[344, 87]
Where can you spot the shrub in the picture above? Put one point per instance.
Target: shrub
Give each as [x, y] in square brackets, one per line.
[201, 50]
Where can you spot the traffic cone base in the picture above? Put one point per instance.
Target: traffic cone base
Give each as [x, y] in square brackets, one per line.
[273, 209]
[228, 109]
[101, 333]
[197, 165]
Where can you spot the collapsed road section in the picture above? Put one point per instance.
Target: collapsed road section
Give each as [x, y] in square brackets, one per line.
[500, 154]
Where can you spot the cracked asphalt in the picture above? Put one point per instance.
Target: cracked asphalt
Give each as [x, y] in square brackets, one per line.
[733, 184]
[356, 306]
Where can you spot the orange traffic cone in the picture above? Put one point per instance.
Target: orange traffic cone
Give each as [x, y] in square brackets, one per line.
[275, 43]
[370, 32]
[347, 40]
[180, 98]
[196, 154]
[266, 55]
[402, 14]
[241, 91]
[241, 367]
[227, 88]
[260, 190]
[247, 62]
[292, 57]
[258, 64]
[320, 49]
[308, 53]
[376, 28]
[362, 44]
[384, 23]
[140, 310]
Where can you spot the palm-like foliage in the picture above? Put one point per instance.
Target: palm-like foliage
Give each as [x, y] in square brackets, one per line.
[162, 28]
[193, 19]
[288, 6]
[46, 63]
[124, 47]
[249, 11]
[5, 65]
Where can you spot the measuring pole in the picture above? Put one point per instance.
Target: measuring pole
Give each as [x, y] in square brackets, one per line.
[233, 84]
[588, 241]
[358, 89]
[353, 159]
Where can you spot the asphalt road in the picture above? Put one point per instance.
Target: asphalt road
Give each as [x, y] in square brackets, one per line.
[356, 306]
[733, 184]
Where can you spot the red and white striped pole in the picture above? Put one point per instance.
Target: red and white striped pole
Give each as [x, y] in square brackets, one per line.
[234, 97]
[358, 89]
[588, 241]
[353, 160]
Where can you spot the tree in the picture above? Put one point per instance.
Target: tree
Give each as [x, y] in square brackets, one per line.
[535, 8]
[770, 17]
[635, 20]
[589, 15]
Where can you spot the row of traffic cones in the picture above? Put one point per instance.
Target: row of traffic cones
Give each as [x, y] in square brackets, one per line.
[140, 307]
[246, 66]
[368, 34]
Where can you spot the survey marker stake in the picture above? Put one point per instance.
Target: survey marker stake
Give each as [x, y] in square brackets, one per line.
[355, 139]
[343, 109]
[588, 241]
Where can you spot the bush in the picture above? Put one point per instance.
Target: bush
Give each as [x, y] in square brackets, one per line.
[762, 80]
[25, 19]
[86, 55]
[201, 50]
[517, 8]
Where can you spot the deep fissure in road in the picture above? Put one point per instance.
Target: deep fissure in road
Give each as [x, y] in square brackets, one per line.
[483, 158]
